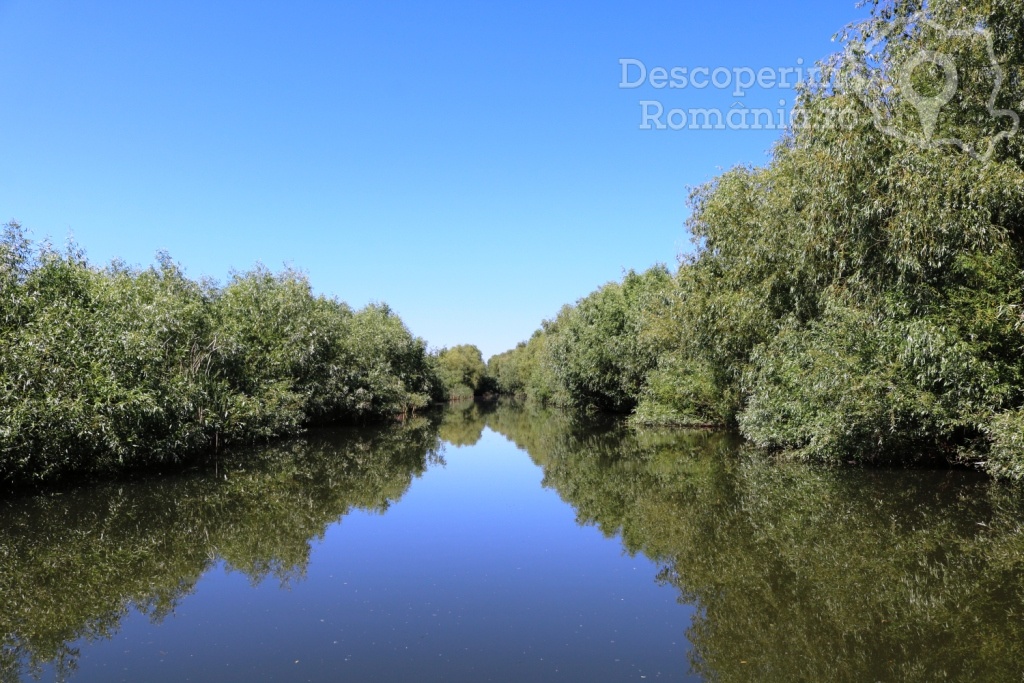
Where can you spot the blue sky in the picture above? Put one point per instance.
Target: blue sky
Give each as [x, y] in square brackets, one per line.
[475, 165]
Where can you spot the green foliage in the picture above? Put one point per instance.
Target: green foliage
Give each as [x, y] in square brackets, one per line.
[105, 369]
[1007, 433]
[858, 298]
[462, 371]
[528, 369]
[594, 354]
[598, 351]
[391, 371]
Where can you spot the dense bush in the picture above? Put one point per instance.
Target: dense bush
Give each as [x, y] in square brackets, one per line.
[527, 370]
[595, 354]
[463, 372]
[106, 368]
[858, 298]
[599, 355]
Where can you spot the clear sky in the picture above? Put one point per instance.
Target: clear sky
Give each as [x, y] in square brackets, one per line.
[473, 164]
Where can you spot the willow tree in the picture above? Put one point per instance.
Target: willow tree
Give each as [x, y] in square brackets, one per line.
[105, 368]
[865, 288]
[861, 296]
[462, 371]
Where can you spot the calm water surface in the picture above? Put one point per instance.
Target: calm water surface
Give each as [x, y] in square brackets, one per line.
[504, 544]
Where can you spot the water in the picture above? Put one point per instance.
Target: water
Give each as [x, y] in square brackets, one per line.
[503, 544]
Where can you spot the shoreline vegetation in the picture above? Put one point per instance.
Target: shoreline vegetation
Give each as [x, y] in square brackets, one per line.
[859, 299]
[867, 570]
[110, 369]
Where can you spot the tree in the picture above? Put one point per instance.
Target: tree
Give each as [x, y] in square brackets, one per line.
[462, 371]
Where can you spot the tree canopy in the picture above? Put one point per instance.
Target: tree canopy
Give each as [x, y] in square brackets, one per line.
[107, 368]
[462, 371]
[860, 297]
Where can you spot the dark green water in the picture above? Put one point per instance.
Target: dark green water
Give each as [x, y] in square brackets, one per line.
[502, 544]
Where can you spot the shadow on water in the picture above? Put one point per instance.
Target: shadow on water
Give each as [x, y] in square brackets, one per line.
[797, 573]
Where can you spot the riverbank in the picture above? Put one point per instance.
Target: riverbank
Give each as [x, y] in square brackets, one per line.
[105, 369]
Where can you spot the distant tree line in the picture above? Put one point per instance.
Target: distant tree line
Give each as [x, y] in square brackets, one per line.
[107, 368]
[859, 298]
[463, 372]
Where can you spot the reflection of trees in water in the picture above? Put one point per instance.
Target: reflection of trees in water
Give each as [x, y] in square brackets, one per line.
[797, 573]
[73, 565]
[462, 423]
[801, 573]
